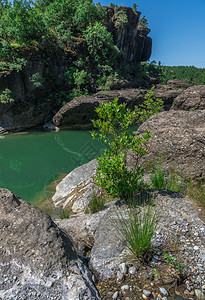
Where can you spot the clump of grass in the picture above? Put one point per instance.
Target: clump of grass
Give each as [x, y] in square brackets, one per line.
[173, 182]
[137, 224]
[157, 178]
[96, 203]
[196, 191]
[65, 213]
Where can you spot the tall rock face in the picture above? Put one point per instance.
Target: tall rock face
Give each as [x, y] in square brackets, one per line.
[33, 103]
[131, 38]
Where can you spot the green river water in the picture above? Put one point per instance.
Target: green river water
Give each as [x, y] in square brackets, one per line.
[31, 164]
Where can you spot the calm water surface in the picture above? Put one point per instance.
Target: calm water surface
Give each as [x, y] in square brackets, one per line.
[31, 164]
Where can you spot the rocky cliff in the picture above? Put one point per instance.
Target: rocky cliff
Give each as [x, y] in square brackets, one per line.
[35, 104]
[130, 38]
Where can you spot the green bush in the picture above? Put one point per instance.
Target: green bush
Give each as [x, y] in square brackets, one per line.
[114, 130]
[5, 97]
[100, 43]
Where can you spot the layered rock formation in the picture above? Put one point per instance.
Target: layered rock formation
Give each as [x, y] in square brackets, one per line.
[34, 105]
[37, 259]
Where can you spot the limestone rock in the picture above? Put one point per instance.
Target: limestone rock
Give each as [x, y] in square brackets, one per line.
[77, 187]
[193, 98]
[37, 258]
[178, 140]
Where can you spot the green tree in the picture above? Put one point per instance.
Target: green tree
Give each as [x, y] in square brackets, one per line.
[88, 13]
[100, 43]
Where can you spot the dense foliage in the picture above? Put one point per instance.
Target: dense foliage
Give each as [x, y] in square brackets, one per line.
[190, 74]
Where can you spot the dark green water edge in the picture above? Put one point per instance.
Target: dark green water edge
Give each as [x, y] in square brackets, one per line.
[32, 163]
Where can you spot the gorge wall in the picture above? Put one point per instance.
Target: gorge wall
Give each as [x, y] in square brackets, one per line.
[35, 105]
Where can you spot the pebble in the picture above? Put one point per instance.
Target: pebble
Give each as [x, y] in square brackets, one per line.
[123, 268]
[132, 270]
[125, 287]
[147, 293]
[163, 291]
[196, 248]
[115, 295]
[199, 294]
[164, 298]
[119, 275]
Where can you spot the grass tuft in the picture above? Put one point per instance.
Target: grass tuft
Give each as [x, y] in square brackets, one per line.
[137, 224]
[65, 213]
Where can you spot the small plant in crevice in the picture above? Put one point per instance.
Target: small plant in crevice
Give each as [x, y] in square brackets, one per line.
[65, 213]
[157, 178]
[96, 203]
[177, 263]
[137, 224]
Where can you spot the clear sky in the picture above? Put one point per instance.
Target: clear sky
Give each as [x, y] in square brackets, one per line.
[177, 29]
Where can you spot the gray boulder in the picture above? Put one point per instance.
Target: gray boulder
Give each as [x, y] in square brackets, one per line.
[76, 188]
[192, 98]
[80, 111]
[37, 259]
[178, 141]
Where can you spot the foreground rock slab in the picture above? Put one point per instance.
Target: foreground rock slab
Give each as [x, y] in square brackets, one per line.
[77, 187]
[178, 142]
[38, 260]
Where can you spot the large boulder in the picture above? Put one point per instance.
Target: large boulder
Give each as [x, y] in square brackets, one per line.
[80, 111]
[76, 188]
[178, 141]
[193, 98]
[37, 259]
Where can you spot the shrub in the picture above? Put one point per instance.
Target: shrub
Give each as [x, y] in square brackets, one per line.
[113, 125]
[100, 43]
[5, 97]
[137, 223]
[114, 130]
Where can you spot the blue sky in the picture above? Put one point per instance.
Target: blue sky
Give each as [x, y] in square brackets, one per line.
[177, 29]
